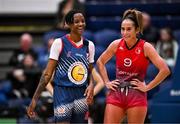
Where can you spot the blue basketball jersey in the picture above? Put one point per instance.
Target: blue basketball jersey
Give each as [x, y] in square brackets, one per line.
[73, 64]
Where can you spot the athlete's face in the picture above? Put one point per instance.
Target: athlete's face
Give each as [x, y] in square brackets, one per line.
[128, 30]
[79, 24]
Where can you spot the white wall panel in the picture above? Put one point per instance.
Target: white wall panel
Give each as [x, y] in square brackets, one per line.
[28, 6]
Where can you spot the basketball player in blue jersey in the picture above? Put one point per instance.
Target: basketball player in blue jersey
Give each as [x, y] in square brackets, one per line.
[71, 57]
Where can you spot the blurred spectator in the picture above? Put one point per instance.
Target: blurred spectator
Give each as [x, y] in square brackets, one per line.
[25, 48]
[24, 78]
[64, 7]
[60, 29]
[150, 33]
[167, 46]
[44, 55]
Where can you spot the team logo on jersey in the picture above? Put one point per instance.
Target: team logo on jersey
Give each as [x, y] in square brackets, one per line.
[138, 50]
[121, 48]
[77, 73]
[61, 110]
[127, 62]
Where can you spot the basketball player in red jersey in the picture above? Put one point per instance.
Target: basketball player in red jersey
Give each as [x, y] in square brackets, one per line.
[127, 95]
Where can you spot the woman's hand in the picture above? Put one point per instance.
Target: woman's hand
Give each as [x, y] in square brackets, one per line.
[89, 93]
[139, 85]
[30, 110]
[112, 85]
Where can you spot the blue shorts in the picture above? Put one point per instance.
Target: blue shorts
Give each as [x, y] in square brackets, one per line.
[70, 104]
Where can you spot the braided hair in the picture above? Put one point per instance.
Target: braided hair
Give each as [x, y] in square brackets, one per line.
[69, 18]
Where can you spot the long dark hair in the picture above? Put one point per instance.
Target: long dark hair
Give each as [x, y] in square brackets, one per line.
[136, 17]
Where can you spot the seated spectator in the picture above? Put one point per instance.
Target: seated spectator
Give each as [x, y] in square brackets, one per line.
[167, 46]
[24, 78]
[59, 29]
[64, 7]
[150, 33]
[25, 48]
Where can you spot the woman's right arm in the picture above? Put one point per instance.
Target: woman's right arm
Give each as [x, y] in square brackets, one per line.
[103, 59]
[45, 78]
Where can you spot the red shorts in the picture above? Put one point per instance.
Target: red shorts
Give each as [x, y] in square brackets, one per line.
[133, 98]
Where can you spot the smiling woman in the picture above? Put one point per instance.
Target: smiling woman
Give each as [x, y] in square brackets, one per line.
[127, 93]
[71, 58]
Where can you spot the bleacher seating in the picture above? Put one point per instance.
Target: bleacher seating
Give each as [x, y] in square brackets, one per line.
[150, 75]
[100, 23]
[177, 35]
[89, 35]
[4, 57]
[102, 40]
[117, 9]
[111, 70]
[105, 37]
[151, 72]
[108, 15]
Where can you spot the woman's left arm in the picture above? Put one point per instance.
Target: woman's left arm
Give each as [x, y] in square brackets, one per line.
[154, 57]
[150, 52]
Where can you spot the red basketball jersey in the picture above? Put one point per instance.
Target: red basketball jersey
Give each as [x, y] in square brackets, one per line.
[131, 63]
